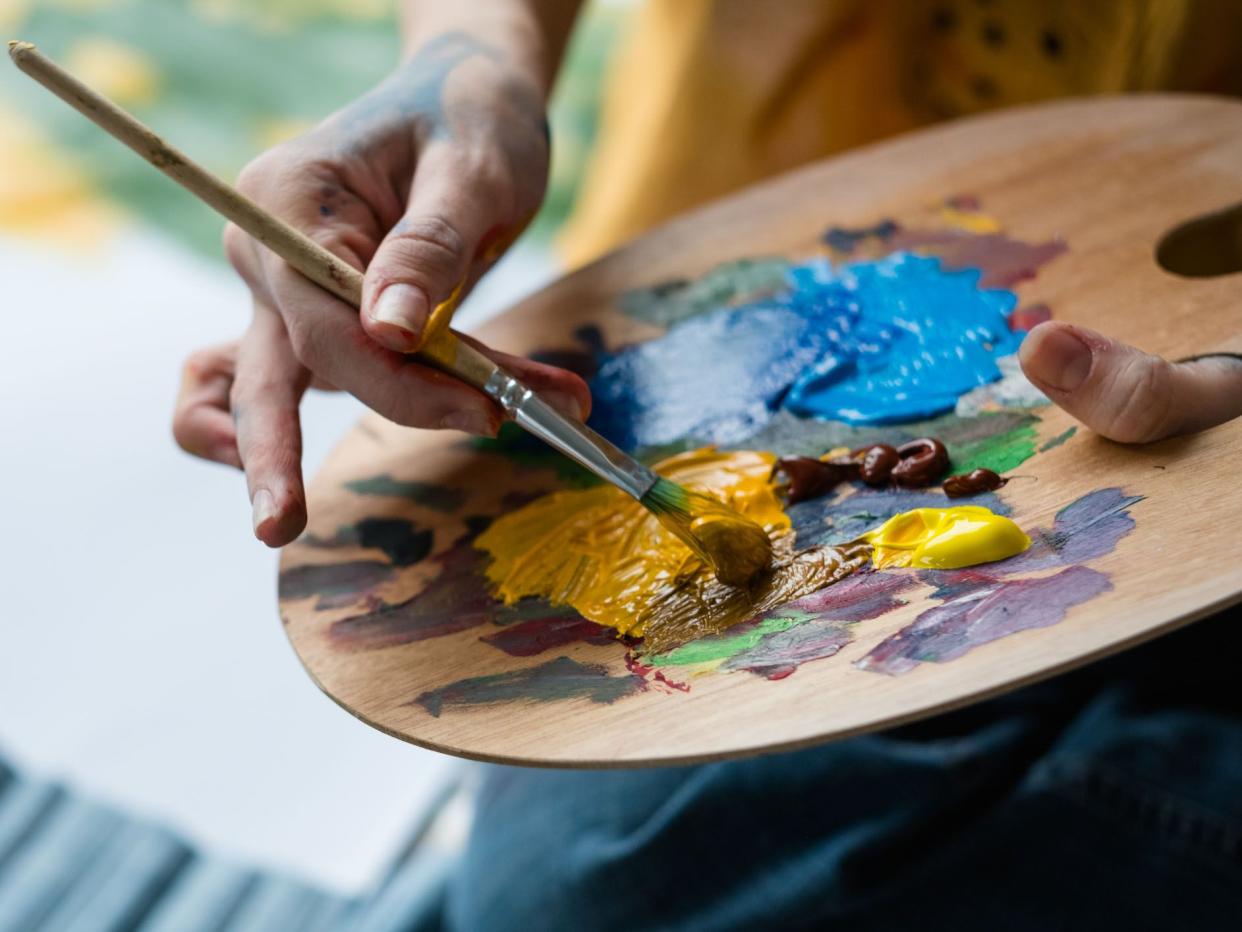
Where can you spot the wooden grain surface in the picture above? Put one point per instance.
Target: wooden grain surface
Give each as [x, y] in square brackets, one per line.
[1110, 177]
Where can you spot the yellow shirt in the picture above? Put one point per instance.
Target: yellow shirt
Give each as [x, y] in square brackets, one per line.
[709, 95]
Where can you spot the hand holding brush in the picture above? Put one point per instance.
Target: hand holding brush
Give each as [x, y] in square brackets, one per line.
[736, 548]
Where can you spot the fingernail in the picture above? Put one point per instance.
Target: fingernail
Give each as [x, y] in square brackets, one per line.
[564, 403]
[264, 506]
[472, 422]
[403, 306]
[1062, 360]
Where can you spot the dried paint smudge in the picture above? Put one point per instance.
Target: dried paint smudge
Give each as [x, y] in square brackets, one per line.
[553, 681]
[536, 635]
[1004, 261]
[729, 283]
[457, 599]
[1058, 440]
[427, 494]
[1087, 528]
[974, 240]
[336, 584]
[983, 615]
[403, 542]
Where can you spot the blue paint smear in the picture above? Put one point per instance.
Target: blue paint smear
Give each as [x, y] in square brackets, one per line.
[878, 342]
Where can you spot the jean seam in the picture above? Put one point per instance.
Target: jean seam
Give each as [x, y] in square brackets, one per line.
[1143, 807]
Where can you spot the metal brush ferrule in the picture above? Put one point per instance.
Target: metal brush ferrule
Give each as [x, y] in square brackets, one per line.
[577, 441]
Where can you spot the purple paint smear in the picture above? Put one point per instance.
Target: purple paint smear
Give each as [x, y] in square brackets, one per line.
[866, 594]
[989, 613]
[562, 678]
[456, 600]
[1083, 530]
[534, 636]
[336, 584]
[781, 653]
[1003, 261]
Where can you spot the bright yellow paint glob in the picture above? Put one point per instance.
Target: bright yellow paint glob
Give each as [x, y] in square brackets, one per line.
[945, 538]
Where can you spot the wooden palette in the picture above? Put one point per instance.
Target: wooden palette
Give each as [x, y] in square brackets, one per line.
[1109, 177]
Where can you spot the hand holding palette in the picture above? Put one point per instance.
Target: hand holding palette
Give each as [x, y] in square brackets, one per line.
[487, 599]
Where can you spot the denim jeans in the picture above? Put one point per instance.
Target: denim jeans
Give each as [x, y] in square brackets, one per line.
[1110, 797]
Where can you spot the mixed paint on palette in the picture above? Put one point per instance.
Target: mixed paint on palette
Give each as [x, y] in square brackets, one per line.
[891, 333]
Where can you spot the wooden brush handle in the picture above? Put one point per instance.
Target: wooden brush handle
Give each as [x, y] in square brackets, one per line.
[445, 350]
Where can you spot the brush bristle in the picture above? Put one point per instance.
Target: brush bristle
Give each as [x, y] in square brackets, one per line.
[667, 497]
[735, 547]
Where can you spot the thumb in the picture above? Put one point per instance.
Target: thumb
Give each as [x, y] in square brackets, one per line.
[425, 259]
[1125, 394]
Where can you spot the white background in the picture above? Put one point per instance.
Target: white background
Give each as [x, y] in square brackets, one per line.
[143, 659]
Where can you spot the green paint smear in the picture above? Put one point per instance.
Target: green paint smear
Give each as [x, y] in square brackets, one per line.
[436, 497]
[997, 440]
[729, 283]
[1058, 440]
[1000, 453]
[723, 646]
[562, 678]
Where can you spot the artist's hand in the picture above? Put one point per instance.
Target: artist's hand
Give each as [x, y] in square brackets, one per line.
[422, 183]
[1125, 394]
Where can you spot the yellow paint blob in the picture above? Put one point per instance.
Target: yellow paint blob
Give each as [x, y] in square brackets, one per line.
[945, 538]
[971, 221]
[602, 553]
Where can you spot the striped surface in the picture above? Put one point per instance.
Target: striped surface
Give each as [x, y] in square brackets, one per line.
[68, 864]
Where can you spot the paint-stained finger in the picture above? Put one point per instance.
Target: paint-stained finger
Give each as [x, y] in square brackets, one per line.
[1126, 394]
[461, 214]
[202, 425]
[267, 390]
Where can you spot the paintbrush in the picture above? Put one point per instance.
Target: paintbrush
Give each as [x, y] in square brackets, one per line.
[735, 547]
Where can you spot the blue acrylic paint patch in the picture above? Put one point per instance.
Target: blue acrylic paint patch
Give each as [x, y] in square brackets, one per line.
[879, 342]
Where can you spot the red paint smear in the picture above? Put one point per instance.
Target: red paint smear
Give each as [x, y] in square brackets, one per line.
[1029, 317]
[528, 638]
[964, 202]
[866, 594]
[1003, 261]
[636, 666]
